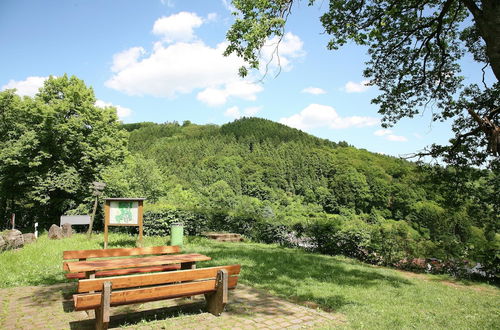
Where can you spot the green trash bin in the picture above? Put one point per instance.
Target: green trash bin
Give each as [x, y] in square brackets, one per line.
[176, 233]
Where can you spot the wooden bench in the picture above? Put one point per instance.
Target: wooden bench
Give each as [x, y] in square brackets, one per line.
[83, 255]
[100, 294]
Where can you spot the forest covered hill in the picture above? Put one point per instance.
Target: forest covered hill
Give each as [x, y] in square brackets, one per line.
[267, 181]
[274, 183]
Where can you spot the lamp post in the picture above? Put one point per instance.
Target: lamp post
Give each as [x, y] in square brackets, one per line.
[98, 188]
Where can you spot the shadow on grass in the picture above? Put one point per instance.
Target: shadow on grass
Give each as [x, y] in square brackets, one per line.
[120, 243]
[283, 270]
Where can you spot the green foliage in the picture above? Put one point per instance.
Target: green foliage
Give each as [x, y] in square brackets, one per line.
[52, 147]
[134, 177]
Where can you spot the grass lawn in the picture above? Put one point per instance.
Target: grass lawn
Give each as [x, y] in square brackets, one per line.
[369, 297]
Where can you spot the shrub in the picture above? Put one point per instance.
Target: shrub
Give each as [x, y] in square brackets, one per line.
[158, 222]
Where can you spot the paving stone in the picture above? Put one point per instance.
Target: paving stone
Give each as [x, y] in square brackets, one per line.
[50, 307]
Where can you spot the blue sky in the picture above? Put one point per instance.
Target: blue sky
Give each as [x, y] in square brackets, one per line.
[161, 61]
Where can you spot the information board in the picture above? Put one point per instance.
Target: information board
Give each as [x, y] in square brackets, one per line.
[124, 213]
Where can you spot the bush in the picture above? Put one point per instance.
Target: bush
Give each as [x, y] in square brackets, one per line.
[340, 235]
[158, 222]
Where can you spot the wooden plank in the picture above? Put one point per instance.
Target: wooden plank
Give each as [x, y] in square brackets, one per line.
[120, 252]
[126, 271]
[122, 282]
[106, 264]
[87, 301]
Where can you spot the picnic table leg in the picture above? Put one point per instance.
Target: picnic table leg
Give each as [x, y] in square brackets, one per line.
[188, 265]
[102, 313]
[217, 300]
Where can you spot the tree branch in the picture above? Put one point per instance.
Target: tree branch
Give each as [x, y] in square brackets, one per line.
[473, 8]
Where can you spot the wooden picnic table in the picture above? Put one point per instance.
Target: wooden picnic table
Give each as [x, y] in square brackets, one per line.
[91, 266]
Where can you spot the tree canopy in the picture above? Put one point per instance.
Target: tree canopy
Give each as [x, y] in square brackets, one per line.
[52, 147]
[415, 49]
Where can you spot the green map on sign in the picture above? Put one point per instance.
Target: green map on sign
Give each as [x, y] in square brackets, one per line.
[125, 213]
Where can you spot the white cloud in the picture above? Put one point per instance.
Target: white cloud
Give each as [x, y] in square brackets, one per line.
[237, 88]
[181, 63]
[211, 17]
[182, 66]
[382, 132]
[272, 58]
[314, 90]
[177, 27]
[353, 87]
[27, 87]
[122, 112]
[126, 58]
[388, 135]
[397, 138]
[177, 68]
[233, 112]
[317, 115]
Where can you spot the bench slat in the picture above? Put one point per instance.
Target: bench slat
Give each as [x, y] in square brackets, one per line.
[120, 252]
[130, 296]
[126, 271]
[157, 278]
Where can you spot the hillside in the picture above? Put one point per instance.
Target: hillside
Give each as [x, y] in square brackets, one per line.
[269, 181]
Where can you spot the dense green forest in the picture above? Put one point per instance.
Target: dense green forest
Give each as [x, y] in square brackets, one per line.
[253, 176]
[274, 183]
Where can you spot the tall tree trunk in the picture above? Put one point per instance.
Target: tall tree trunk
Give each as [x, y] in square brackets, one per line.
[488, 23]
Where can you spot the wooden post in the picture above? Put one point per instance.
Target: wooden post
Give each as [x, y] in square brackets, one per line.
[89, 231]
[98, 188]
[139, 220]
[102, 313]
[216, 301]
[106, 223]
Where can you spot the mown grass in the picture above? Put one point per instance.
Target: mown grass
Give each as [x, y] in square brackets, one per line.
[369, 297]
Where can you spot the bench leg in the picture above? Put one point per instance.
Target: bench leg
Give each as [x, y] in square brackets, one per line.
[217, 300]
[90, 313]
[102, 313]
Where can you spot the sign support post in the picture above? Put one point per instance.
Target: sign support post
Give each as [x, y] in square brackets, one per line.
[123, 212]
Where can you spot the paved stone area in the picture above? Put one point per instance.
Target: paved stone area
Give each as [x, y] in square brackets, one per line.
[51, 307]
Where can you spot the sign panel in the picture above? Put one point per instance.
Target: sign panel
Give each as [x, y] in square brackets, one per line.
[124, 213]
[75, 219]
